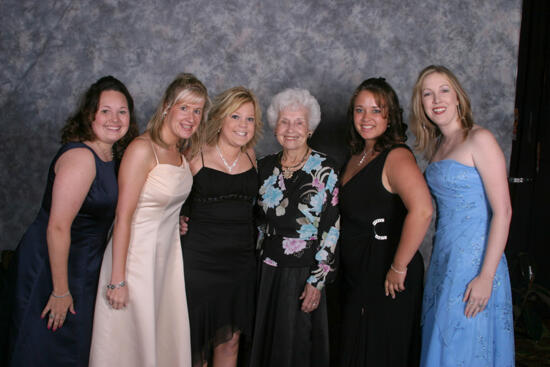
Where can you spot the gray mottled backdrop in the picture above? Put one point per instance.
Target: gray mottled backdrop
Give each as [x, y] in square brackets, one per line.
[51, 51]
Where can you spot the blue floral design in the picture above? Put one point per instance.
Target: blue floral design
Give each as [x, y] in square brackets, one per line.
[307, 231]
[313, 163]
[272, 197]
[331, 181]
[317, 202]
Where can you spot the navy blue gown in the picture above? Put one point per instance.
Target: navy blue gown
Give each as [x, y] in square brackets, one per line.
[31, 343]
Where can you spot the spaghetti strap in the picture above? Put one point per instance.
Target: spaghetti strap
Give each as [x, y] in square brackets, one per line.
[154, 151]
[250, 160]
[202, 159]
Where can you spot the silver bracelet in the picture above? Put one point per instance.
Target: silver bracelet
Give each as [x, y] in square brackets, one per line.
[61, 296]
[115, 286]
[398, 271]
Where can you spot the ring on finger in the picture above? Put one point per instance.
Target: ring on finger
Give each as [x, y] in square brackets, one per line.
[51, 315]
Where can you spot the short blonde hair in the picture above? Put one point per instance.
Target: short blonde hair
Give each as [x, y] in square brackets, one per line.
[184, 86]
[294, 97]
[425, 131]
[224, 105]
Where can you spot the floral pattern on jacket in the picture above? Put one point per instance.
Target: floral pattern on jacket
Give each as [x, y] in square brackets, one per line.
[302, 213]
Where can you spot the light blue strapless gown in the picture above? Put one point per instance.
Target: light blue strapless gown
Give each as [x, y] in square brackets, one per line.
[463, 219]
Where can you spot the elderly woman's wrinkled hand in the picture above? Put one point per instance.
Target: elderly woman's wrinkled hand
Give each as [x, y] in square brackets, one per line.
[311, 297]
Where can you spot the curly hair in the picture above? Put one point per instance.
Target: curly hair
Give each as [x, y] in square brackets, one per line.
[291, 98]
[184, 86]
[426, 132]
[222, 106]
[387, 100]
[79, 125]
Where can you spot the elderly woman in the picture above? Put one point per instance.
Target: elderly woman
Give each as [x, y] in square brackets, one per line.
[298, 201]
[467, 306]
[386, 210]
[218, 250]
[58, 260]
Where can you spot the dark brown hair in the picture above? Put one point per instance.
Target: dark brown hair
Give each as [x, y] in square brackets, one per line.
[79, 125]
[387, 100]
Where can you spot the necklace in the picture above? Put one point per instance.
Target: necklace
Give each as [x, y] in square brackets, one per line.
[288, 171]
[364, 156]
[228, 166]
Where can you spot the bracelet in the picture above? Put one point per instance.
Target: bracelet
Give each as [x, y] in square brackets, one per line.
[398, 271]
[61, 296]
[115, 286]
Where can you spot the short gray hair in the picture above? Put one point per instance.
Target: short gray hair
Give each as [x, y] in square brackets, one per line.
[294, 97]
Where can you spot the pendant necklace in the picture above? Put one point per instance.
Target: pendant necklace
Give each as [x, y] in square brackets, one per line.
[229, 167]
[364, 156]
[288, 171]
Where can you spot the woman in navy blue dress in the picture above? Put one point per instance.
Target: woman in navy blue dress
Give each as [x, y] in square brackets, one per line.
[56, 266]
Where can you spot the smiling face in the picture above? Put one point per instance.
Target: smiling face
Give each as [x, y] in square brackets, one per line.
[439, 100]
[183, 118]
[369, 118]
[292, 128]
[238, 127]
[112, 118]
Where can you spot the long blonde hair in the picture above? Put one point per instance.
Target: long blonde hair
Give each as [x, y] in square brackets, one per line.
[222, 106]
[426, 132]
[184, 86]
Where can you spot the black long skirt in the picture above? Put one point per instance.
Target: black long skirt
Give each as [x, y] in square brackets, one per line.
[284, 335]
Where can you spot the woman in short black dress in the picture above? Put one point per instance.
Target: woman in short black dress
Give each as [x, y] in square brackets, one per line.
[218, 249]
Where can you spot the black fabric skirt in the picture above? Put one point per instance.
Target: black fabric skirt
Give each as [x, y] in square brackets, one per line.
[378, 330]
[284, 335]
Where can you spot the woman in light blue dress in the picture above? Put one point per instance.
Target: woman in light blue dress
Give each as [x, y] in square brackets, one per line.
[467, 304]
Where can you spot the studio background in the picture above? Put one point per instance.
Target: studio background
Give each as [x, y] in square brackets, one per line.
[51, 51]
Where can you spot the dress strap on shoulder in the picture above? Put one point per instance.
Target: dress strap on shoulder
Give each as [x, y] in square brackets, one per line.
[154, 151]
[202, 158]
[253, 166]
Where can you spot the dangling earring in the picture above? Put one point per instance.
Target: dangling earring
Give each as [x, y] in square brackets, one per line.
[219, 130]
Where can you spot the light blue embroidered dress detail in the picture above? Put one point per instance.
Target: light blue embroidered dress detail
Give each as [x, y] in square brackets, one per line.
[463, 221]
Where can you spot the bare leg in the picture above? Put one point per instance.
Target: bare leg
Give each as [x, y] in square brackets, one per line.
[225, 355]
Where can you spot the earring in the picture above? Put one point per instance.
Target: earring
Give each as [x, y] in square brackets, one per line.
[219, 130]
[309, 134]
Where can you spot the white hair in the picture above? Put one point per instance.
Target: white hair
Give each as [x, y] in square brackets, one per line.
[293, 98]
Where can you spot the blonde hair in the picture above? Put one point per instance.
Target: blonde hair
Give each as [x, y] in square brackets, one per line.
[184, 86]
[224, 105]
[426, 132]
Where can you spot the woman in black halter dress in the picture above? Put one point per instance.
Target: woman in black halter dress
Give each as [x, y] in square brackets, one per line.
[218, 249]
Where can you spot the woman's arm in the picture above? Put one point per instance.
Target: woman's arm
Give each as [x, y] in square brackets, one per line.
[137, 162]
[328, 233]
[402, 176]
[74, 173]
[491, 165]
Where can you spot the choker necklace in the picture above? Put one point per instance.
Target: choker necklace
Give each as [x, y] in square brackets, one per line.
[229, 167]
[364, 156]
[288, 171]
